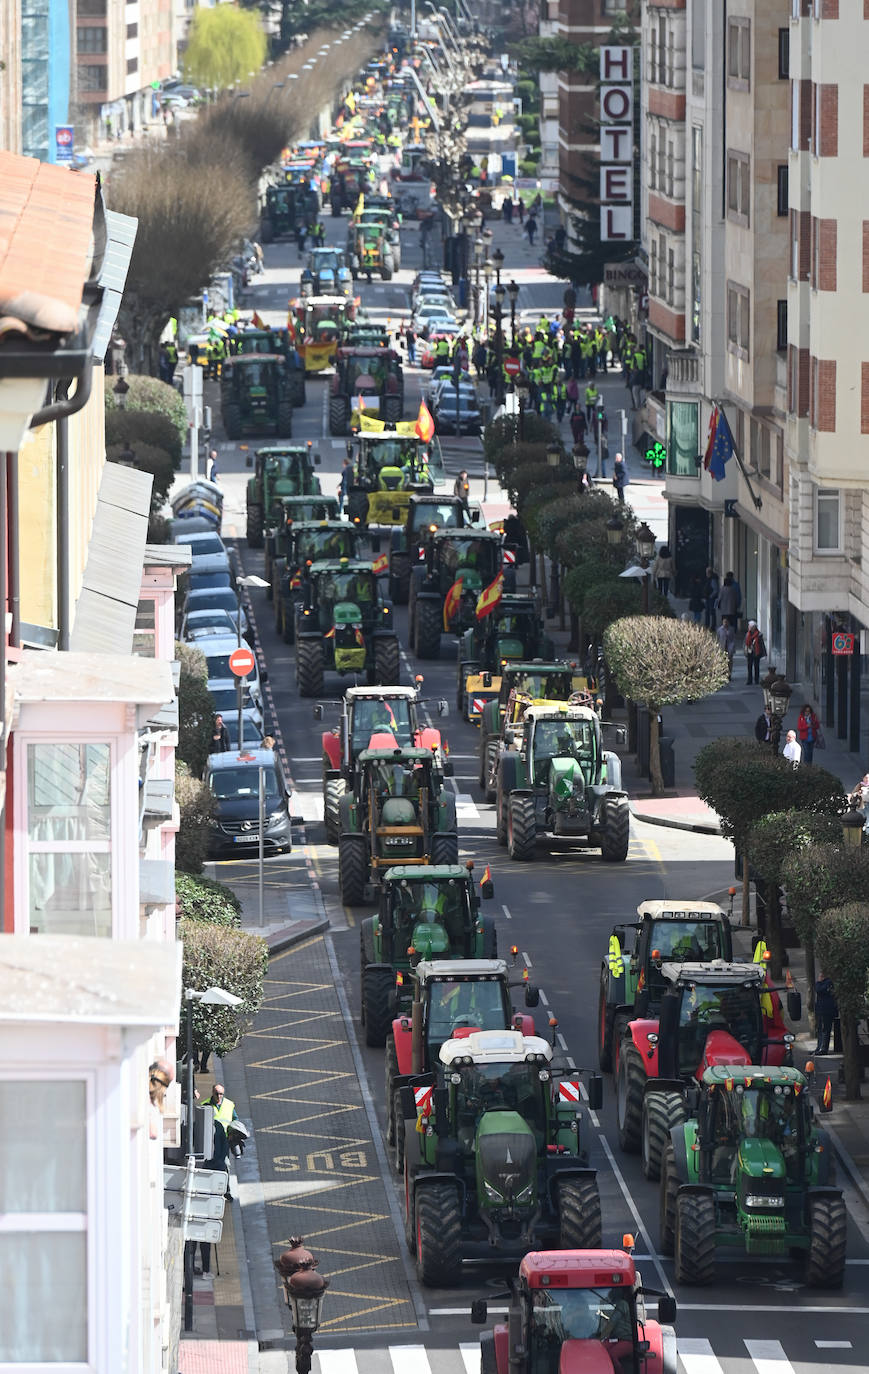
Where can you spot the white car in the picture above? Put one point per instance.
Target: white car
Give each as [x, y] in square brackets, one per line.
[217, 599]
[206, 625]
[224, 694]
[217, 651]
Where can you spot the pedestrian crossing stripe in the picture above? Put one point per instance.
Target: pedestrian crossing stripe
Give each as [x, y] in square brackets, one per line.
[696, 1356]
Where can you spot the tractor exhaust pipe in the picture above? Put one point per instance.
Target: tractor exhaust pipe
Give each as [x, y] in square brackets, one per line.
[416, 1036]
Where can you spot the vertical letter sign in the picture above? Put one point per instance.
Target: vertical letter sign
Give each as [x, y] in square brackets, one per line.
[617, 144]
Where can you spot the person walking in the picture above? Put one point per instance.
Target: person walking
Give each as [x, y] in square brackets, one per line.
[620, 477]
[664, 570]
[219, 736]
[410, 340]
[729, 599]
[826, 1012]
[531, 230]
[578, 426]
[211, 468]
[345, 482]
[696, 599]
[726, 636]
[763, 726]
[711, 588]
[754, 650]
[808, 732]
[591, 399]
[520, 207]
[792, 750]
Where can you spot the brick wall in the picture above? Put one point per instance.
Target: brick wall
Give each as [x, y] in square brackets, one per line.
[830, 9]
[828, 133]
[805, 119]
[823, 395]
[864, 382]
[827, 231]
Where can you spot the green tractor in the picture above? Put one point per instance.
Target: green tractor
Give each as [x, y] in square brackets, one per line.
[631, 982]
[255, 395]
[277, 472]
[398, 813]
[556, 779]
[307, 542]
[372, 374]
[343, 626]
[498, 702]
[449, 998]
[425, 513]
[514, 631]
[425, 912]
[279, 213]
[445, 587]
[274, 341]
[370, 251]
[388, 470]
[494, 1164]
[751, 1171]
[290, 511]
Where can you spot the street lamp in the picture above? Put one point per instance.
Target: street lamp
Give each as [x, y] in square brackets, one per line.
[553, 454]
[645, 539]
[251, 580]
[240, 95]
[615, 528]
[304, 1289]
[852, 827]
[523, 392]
[498, 260]
[499, 340]
[776, 695]
[278, 86]
[513, 293]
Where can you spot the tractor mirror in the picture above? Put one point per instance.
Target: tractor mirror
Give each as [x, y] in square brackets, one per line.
[532, 995]
[375, 543]
[487, 889]
[795, 1004]
[248, 460]
[317, 460]
[487, 679]
[479, 1311]
[666, 1310]
[595, 1092]
[621, 935]
[443, 707]
[318, 712]
[449, 769]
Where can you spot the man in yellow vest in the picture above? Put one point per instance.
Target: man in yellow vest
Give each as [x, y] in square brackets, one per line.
[224, 1113]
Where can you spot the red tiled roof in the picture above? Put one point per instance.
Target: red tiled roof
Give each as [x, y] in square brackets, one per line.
[46, 222]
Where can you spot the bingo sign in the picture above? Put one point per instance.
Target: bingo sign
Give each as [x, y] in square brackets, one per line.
[616, 145]
[843, 643]
[63, 142]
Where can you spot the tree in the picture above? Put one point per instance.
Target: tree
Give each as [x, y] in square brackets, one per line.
[816, 879]
[842, 942]
[224, 45]
[196, 807]
[204, 900]
[742, 781]
[195, 709]
[771, 840]
[216, 956]
[658, 662]
[557, 54]
[127, 428]
[149, 397]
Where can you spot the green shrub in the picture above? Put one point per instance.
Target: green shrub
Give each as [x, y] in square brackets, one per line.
[150, 394]
[215, 956]
[204, 900]
[528, 167]
[743, 780]
[130, 428]
[195, 709]
[842, 942]
[196, 806]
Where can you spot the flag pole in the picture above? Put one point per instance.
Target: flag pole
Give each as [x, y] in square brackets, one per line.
[758, 503]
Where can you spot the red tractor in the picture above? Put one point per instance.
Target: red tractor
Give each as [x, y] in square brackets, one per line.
[578, 1311]
[712, 1013]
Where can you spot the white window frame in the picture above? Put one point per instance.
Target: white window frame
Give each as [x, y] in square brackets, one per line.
[829, 552]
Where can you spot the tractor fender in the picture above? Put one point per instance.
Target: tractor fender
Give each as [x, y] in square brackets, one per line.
[680, 1151]
[662, 1347]
[501, 1337]
[427, 1177]
[384, 633]
[823, 1190]
[613, 770]
[308, 634]
[491, 718]
[564, 1166]
[332, 750]
[424, 595]
[508, 768]
[403, 1036]
[466, 646]
[379, 967]
[639, 1032]
[428, 738]
[524, 1023]
[663, 1085]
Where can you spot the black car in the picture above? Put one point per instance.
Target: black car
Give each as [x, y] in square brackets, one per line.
[233, 779]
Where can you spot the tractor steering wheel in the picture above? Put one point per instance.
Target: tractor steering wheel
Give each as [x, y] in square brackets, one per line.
[467, 1020]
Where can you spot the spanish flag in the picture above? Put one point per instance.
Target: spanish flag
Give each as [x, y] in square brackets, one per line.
[359, 638]
[330, 634]
[381, 564]
[424, 423]
[490, 596]
[256, 321]
[828, 1095]
[487, 875]
[451, 602]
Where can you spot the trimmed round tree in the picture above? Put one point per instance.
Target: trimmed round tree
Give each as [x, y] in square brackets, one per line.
[657, 662]
[842, 942]
[216, 955]
[771, 840]
[817, 879]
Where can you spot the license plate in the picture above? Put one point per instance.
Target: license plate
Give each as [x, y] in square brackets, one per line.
[245, 839]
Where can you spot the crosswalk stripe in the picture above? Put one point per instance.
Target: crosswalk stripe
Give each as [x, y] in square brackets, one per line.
[409, 1359]
[769, 1357]
[697, 1356]
[337, 1361]
[471, 1357]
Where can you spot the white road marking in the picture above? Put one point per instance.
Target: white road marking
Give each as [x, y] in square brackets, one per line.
[337, 1361]
[697, 1357]
[562, 1043]
[466, 809]
[769, 1357]
[544, 999]
[471, 1357]
[506, 911]
[409, 1359]
[465, 1311]
[833, 1345]
[528, 963]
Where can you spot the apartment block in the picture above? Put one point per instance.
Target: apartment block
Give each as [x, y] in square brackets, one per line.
[120, 47]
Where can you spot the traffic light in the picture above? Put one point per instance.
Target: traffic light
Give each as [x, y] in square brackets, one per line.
[656, 456]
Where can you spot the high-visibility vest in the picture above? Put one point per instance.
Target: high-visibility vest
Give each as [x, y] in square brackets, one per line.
[225, 1112]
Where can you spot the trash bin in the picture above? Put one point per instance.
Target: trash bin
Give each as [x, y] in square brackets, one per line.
[668, 760]
[462, 294]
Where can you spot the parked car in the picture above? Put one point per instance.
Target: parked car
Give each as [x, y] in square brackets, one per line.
[224, 694]
[216, 599]
[234, 782]
[218, 650]
[197, 625]
[452, 419]
[202, 581]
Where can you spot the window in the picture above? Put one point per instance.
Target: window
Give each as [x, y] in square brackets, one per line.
[784, 54]
[696, 168]
[653, 267]
[827, 518]
[614, 6]
[739, 54]
[682, 438]
[782, 191]
[738, 187]
[91, 78]
[653, 160]
[698, 35]
[661, 76]
[132, 30]
[43, 1243]
[671, 275]
[781, 326]
[69, 838]
[91, 38]
[145, 634]
[671, 168]
[761, 451]
[738, 312]
[132, 65]
[91, 9]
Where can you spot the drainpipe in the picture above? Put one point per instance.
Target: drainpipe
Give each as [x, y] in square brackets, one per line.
[62, 531]
[4, 460]
[12, 543]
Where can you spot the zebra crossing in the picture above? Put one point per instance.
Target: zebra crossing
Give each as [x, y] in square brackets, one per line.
[696, 1356]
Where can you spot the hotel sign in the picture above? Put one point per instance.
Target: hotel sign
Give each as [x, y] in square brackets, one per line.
[617, 144]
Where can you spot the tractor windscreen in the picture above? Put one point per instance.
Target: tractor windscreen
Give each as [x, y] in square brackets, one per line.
[560, 739]
[554, 686]
[433, 513]
[480, 556]
[381, 717]
[429, 903]
[577, 1314]
[769, 1112]
[356, 587]
[470, 1002]
[503, 1087]
[326, 544]
[387, 453]
[325, 262]
[687, 941]
[732, 1008]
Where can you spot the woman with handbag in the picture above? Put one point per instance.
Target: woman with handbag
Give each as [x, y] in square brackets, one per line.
[809, 732]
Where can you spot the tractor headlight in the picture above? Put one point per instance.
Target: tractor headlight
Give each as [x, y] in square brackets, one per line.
[491, 1193]
[757, 1200]
[526, 1194]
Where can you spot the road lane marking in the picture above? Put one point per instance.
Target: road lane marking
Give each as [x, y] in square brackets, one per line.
[769, 1357]
[466, 1311]
[544, 999]
[409, 1359]
[471, 1356]
[640, 1228]
[834, 1345]
[527, 960]
[506, 911]
[697, 1356]
[337, 1361]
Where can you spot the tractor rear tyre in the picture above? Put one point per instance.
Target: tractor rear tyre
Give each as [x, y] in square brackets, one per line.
[393, 406]
[501, 806]
[630, 1084]
[604, 1026]
[661, 1112]
[232, 420]
[825, 1258]
[694, 1244]
[521, 828]
[490, 762]
[387, 662]
[616, 830]
[352, 869]
[254, 527]
[333, 791]
[667, 1201]
[488, 1358]
[309, 667]
[427, 637]
[285, 420]
[297, 386]
[620, 1024]
[398, 1133]
[444, 848]
[288, 622]
[438, 1235]
[399, 579]
[377, 988]
[390, 1075]
[579, 1223]
[339, 415]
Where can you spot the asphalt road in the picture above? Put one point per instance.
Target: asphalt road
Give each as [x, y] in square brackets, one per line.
[559, 911]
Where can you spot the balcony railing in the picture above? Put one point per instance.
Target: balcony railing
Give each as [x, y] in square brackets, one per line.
[684, 369]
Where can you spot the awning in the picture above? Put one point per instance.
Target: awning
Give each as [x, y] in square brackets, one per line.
[105, 614]
[76, 980]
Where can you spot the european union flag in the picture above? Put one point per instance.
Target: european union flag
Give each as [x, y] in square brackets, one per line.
[720, 447]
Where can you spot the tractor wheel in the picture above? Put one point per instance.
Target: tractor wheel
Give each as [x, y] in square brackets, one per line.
[490, 939]
[352, 869]
[579, 1224]
[667, 1201]
[630, 1083]
[438, 1235]
[488, 1358]
[390, 1075]
[387, 662]
[333, 791]
[385, 273]
[604, 1027]
[661, 1112]
[254, 527]
[501, 806]
[309, 667]
[490, 759]
[427, 639]
[694, 1241]
[232, 420]
[444, 848]
[825, 1258]
[482, 750]
[521, 828]
[399, 579]
[393, 406]
[285, 420]
[398, 1128]
[616, 830]
[620, 1025]
[377, 986]
[297, 385]
[460, 689]
[339, 415]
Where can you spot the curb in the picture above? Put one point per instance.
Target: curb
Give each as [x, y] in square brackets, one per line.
[697, 827]
[850, 1167]
[286, 939]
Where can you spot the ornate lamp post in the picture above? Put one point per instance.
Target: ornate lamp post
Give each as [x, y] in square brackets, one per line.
[498, 260]
[776, 695]
[523, 391]
[513, 293]
[499, 341]
[303, 1290]
[488, 273]
[645, 549]
[479, 248]
[852, 827]
[615, 528]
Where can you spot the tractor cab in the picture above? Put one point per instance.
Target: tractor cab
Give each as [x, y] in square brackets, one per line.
[343, 593]
[285, 472]
[429, 914]
[256, 394]
[474, 557]
[562, 749]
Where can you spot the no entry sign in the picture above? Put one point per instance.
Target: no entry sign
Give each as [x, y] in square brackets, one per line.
[241, 662]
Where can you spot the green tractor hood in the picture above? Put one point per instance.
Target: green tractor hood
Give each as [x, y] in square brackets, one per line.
[760, 1159]
[506, 1158]
[564, 776]
[509, 647]
[430, 940]
[346, 613]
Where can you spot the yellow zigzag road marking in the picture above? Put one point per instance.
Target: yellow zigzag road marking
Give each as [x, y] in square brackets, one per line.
[280, 1094]
[296, 949]
[340, 1323]
[297, 983]
[362, 1218]
[288, 1127]
[341, 1182]
[304, 1019]
[312, 1045]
